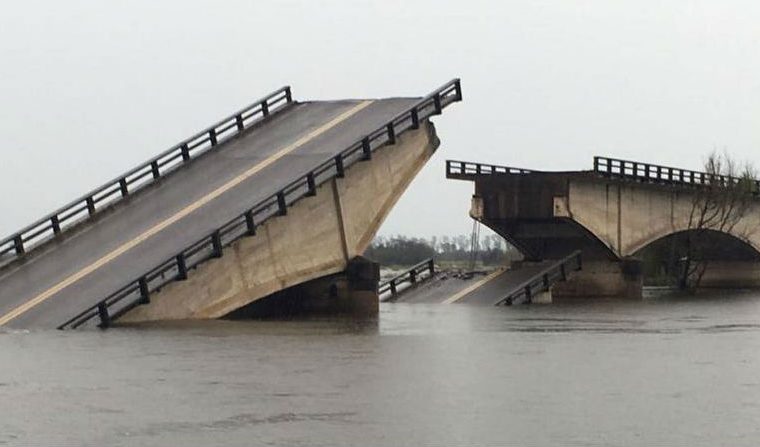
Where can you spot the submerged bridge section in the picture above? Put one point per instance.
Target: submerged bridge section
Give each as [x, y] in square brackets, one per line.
[522, 283]
[280, 194]
[611, 213]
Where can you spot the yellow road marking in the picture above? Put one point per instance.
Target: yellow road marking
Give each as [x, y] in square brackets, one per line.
[181, 214]
[457, 296]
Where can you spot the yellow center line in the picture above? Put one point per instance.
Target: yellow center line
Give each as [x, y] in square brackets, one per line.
[180, 214]
[457, 296]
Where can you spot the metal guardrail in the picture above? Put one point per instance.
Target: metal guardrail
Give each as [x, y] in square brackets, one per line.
[149, 172]
[543, 280]
[411, 276]
[456, 167]
[138, 291]
[646, 172]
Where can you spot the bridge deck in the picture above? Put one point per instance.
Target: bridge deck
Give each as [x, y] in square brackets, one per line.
[78, 271]
[498, 287]
[478, 290]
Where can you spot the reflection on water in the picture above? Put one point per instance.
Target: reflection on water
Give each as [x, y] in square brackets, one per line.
[659, 371]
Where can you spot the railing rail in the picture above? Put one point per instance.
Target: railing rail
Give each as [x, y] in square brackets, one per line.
[457, 167]
[634, 170]
[412, 276]
[149, 172]
[139, 290]
[543, 280]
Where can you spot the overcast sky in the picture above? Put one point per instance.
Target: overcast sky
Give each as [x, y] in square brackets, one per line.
[90, 88]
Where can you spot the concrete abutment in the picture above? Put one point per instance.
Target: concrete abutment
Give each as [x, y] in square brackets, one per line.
[622, 279]
[352, 292]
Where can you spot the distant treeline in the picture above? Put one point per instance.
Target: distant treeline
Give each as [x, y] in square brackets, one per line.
[402, 250]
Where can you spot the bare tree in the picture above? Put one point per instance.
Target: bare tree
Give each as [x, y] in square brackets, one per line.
[719, 203]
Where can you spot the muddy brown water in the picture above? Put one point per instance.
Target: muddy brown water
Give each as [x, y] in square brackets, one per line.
[664, 371]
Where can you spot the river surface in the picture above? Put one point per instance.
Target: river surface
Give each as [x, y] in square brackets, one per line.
[589, 373]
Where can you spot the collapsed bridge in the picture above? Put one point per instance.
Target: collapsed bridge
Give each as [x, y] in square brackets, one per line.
[273, 204]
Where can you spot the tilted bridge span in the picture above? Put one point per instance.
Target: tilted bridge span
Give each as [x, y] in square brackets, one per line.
[273, 204]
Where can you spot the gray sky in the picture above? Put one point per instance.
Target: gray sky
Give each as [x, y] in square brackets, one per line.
[90, 88]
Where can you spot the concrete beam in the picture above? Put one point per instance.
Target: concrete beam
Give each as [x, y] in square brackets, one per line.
[628, 216]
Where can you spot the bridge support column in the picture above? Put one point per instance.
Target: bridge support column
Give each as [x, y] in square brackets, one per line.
[353, 292]
[621, 279]
[544, 297]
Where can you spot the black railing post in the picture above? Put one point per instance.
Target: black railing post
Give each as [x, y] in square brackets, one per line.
[545, 278]
[105, 319]
[311, 184]
[154, 170]
[391, 133]
[366, 149]
[216, 244]
[562, 272]
[431, 266]
[123, 187]
[212, 136]
[415, 118]
[339, 171]
[250, 225]
[185, 152]
[458, 89]
[596, 164]
[528, 295]
[288, 95]
[18, 244]
[437, 103]
[265, 108]
[90, 205]
[412, 276]
[239, 123]
[55, 223]
[181, 267]
[394, 292]
[144, 291]
[282, 206]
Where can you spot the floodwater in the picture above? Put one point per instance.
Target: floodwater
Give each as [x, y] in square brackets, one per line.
[672, 371]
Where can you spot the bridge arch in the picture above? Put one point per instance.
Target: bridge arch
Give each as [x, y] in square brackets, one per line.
[717, 245]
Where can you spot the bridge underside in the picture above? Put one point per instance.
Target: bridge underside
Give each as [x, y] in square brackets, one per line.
[728, 261]
[554, 238]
